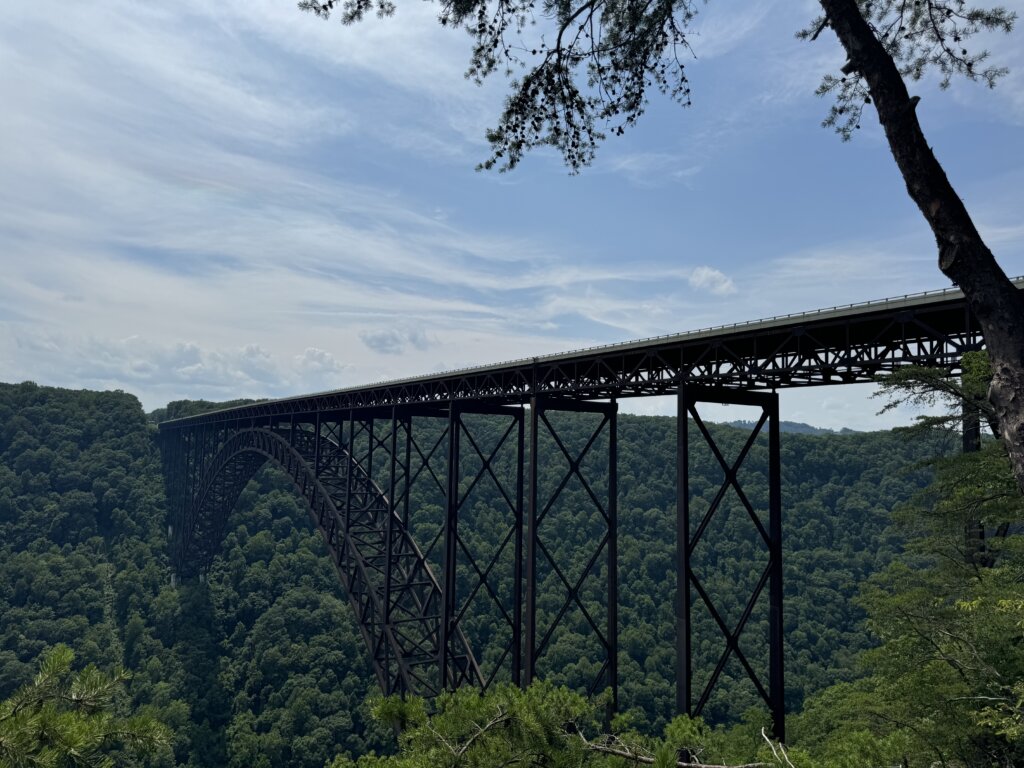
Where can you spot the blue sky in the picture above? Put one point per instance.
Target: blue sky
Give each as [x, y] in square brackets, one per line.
[238, 199]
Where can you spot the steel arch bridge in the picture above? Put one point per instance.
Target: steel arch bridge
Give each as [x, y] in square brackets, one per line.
[361, 457]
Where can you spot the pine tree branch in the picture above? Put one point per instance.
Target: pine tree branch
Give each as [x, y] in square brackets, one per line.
[440, 737]
[481, 730]
[647, 760]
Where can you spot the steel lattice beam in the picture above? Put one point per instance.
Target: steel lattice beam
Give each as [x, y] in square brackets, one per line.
[341, 463]
[835, 346]
[391, 587]
[540, 548]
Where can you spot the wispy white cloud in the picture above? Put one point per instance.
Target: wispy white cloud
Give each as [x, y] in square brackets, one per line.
[843, 273]
[236, 198]
[720, 28]
[143, 364]
[652, 169]
[705, 278]
[153, 72]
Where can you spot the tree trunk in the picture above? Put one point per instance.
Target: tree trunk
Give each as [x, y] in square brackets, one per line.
[963, 256]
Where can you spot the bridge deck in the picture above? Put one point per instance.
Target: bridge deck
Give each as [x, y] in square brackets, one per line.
[837, 345]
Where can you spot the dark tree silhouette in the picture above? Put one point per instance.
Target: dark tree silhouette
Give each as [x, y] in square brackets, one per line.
[582, 68]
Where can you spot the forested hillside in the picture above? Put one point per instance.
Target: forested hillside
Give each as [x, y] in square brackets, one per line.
[261, 663]
[261, 666]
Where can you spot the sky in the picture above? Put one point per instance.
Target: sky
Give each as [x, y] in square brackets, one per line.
[238, 199]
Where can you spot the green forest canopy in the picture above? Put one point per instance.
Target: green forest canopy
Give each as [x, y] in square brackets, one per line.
[262, 664]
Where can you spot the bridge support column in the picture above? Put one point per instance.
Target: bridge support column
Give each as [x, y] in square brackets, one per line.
[546, 570]
[449, 674]
[689, 584]
[485, 447]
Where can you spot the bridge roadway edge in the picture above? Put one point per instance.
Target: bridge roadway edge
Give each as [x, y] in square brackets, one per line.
[826, 347]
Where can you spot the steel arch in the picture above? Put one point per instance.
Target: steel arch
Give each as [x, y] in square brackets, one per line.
[403, 638]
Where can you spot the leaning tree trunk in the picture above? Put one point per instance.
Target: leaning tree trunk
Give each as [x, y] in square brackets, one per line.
[963, 255]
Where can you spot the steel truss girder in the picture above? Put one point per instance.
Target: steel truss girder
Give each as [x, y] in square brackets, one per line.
[834, 347]
[466, 575]
[356, 471]
[410, 620]
[688, 581]
[354, 456]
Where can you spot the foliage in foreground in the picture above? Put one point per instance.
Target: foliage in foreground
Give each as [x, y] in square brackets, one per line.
[944, 686]
[551, 726]
[68, 719]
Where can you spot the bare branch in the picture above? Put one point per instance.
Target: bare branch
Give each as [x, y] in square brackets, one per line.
[636, 757]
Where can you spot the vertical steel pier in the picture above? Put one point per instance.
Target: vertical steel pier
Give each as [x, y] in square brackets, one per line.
[539, 630]
[689, 583]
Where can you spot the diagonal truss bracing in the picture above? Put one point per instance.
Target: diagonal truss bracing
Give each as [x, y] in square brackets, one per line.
[595, 511]
[364, 476]
[371, 477]
[690, 585]
[392, 589]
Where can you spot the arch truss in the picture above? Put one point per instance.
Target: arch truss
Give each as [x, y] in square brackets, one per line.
[395, 495]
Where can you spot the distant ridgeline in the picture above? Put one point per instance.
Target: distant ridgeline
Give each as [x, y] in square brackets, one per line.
[263, 664]
[797, 428]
